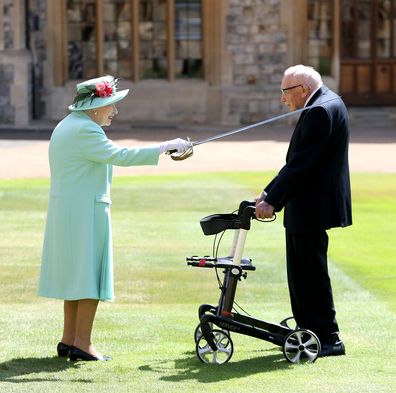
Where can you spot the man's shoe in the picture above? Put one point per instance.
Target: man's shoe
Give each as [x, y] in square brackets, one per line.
[78, 354]
[336, 349]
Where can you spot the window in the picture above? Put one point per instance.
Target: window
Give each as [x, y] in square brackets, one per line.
[368, 29]
[117, 46]
[81, 38]
[320, 45]
[188, 39]
[153, 39]
[135, 39]
[385, 19]
[364, 30]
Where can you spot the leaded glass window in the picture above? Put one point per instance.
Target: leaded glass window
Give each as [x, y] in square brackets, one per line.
[135, 39]
[320, 45]
[81, 38]
[188, 35]
[153, 39]
[117, 38]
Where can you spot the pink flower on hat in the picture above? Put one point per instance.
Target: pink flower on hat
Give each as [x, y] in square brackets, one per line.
[103, 89]
[99, 88]
[108, 88]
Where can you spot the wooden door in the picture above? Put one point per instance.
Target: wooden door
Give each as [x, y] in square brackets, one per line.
[368, 52]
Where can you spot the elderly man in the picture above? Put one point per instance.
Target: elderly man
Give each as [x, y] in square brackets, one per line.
[314, 189]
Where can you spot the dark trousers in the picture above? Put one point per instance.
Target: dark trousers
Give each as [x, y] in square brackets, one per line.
[309, 284]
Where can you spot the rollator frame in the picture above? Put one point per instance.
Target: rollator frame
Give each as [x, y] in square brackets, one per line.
[215, 345]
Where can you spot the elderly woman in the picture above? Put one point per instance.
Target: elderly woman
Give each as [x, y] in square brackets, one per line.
[77, 262]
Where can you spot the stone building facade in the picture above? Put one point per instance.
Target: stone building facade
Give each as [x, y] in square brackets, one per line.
[15, 65]
[191, 61]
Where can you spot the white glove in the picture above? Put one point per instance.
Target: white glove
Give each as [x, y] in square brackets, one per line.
[178, 144]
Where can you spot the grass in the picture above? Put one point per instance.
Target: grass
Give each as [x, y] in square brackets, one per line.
[149, 329]
[372, 258]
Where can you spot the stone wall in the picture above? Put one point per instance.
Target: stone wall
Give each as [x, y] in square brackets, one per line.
[7, 24]
[37, 19]
[15, 65]
[15, 87]
[255, 47]
[258, 44]
[22, 57]
[7, 112]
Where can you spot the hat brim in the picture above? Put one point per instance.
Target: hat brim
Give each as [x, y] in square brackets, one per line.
[98, 102]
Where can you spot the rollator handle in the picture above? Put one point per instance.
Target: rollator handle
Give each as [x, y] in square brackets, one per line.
[216, 223]
[245, 204]
[246, 212]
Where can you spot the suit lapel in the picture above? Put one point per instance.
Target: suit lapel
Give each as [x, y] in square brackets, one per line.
[293, 139]
[317, 94]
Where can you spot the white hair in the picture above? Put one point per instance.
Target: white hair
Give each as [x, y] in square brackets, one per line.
[305, 74]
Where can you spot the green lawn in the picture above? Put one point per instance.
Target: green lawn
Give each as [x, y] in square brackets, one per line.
[149, 329]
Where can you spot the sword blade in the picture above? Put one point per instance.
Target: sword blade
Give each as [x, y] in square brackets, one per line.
[261, 123]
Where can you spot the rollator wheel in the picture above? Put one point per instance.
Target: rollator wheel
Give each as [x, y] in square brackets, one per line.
[225, 348]
[301, 346]
[198, 331]
[289, 323]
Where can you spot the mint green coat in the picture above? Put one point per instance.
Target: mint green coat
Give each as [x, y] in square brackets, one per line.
[77, 261]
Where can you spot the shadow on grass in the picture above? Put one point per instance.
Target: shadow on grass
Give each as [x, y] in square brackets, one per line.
[190, 368]
[22, 370]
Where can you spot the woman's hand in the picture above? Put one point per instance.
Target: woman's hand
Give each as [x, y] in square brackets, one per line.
[177, 145]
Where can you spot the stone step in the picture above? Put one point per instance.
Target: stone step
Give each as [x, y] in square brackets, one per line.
[384, 117]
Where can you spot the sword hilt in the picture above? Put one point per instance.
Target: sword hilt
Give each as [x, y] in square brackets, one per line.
[182, 156]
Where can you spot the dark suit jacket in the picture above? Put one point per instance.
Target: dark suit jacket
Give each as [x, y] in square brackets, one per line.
[314, 186]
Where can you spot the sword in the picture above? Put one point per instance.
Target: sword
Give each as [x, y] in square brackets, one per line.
[190, 151]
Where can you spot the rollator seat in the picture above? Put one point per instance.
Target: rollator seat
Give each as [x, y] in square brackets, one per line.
[216, 223]
[246, 263]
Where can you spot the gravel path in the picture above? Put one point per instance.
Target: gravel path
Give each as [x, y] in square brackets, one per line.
[24, 154]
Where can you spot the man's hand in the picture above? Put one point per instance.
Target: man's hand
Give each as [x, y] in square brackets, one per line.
[264, 209]
[260, 197]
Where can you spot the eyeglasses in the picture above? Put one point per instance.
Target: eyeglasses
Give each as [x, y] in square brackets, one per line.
[283, 91]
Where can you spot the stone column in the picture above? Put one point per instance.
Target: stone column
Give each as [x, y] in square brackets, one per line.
[336, 61]
[1, 25]
[218, 60]
[258, 42]
[15, 65]
[294, 17]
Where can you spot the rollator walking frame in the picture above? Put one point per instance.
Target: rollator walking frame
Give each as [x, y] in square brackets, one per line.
[214, 345]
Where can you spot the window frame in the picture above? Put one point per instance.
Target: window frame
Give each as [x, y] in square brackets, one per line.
[60, 39]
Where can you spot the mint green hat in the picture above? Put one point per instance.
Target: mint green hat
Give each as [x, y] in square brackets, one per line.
[98, 92]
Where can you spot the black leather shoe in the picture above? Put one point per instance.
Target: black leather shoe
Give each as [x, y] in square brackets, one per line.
[63, 350]
[335, 349]
[78, 354]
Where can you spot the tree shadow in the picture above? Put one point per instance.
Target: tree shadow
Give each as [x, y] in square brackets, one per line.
[190, 368]
[22, 370]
